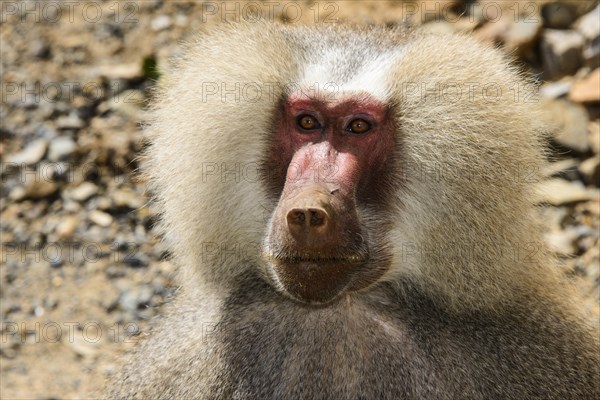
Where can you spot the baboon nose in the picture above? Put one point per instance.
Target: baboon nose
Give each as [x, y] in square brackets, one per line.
[307, 221]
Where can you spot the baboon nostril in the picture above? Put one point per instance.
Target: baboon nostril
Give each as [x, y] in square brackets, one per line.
[317, 217]
[310, 221]
[296, 217]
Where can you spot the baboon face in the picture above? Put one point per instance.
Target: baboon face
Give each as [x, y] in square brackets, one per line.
[331, 160]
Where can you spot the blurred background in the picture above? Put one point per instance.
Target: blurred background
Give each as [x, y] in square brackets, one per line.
[81, 271]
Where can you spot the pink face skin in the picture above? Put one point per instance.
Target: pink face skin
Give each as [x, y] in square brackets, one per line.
[350, 159]
[318, 244]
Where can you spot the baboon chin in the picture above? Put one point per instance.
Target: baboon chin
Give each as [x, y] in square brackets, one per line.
[351, 211]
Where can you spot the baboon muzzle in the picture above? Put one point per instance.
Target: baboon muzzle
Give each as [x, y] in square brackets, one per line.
[316, 244]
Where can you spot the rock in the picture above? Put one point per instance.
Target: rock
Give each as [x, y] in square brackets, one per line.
[160, 23]
[31, 154]
[587, 90]
[558, 15]
[591, 54]
[136, 260]
[554, 168]
[559, 191]
[553, 90]
[61, 148]
[561, 52]
[522, 33]
[590, 169]
[571, 124]
[127, 72]
[40, 49]
[71, 121]
[40, 189]
[594, 136]
[135, 298]
[128, 103]
[66, 228]
[34, 187]
[100, 218]
[82, 192]
[126, 198]
[561, 242]
[517, 32]
[17, 193]
[588, 25]
[84, 343]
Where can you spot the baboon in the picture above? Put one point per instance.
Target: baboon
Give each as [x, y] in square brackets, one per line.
[351, 210]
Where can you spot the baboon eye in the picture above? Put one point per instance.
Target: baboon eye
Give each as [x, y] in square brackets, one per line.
[359, 126]
[307, 122]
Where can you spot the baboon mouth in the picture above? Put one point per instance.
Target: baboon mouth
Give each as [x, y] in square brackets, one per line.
[312, 278]
[316, 259]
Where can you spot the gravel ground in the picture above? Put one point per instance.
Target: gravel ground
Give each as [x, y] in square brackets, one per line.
[81, 271]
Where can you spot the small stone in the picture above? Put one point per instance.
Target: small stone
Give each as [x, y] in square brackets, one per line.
[40, 188]
[82, 192]
[126, 198]
[81, 344]
[136, 261]
[561, 242]
[594, 136]
[136, 298]
[554, 90]
[128, 103]
[40, 49]
[17, 193]
[516, 35]
[61, 148]
[591, 54]
[66, 228]
[588, 25]
[100, 218]
[558, 167]
[71, 121]
[127, 72]
[561, 52]
[571, 124]
[160, 23]
[559, 191]
[590, 169]
[558, 15]
[31, 154]
[587, 90]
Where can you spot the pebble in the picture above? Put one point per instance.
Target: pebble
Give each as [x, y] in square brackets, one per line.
[66, 228]
[594, 136]
[160, 23]
[100, 218]
[561, 52]
[61, 148]
[71, 121]
[590, 169]
[558, 15]
[38, 189]
[82, 192]
[135, 298]
[558, 191]
[571, 124]
[127, 72]
[588, 25]
[558, 167]
[31, 154]
[587, 90]
[553, 90]
[562, 242]
[127, 198]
